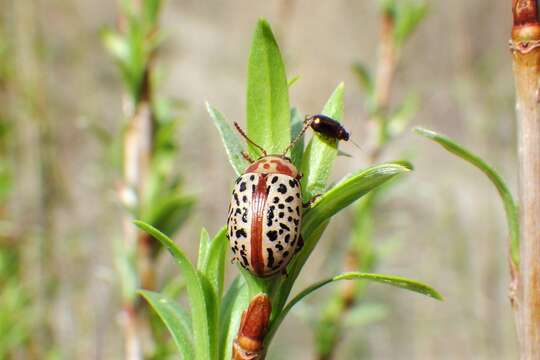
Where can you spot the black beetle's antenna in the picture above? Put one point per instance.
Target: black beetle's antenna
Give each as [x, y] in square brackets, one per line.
[248, 139]
[307, 123]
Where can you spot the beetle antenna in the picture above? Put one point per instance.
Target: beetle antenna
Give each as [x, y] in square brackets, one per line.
[248, 139]
[307, 123]
[355, 144]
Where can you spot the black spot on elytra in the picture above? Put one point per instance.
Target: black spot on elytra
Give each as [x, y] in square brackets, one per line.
[281, 214]
[253, 187]
[285, 254]
[282, 189]
[284, 227]
[252, 177]
[289, 199]
[244, 199]
[287, 238]
[241, 233]
[238, 180]
[272, 235]
[270, 216]
[244, 216]
[292, 183]
[274, 179]
[236, 199]
[270, 257]
[279, 246]
[280, 231]
[296, 221]
[281, 206]
[276, 200]
[242, 186]
[245, 262]
[267, 189]
[297, 210]
[289, 209]
[289, 218]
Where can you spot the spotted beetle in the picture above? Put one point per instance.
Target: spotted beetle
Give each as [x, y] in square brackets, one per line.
[265, 212]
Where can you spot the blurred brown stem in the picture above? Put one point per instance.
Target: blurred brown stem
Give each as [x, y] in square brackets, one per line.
[525, 46]
[137, 152]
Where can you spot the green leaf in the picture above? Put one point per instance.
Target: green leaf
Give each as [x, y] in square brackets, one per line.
[116, 44]
[409, 16]
[321, 151]
[204, 244]
[171, 213]
[392, 280]
[349, 190]
[233, 304]
[510, 204]
[151, 11]
[298, 149]
[195, 290]
[364, 78]
[293, 80]
[215, 266]
[175, 319]
[268, 113]
[231, 141]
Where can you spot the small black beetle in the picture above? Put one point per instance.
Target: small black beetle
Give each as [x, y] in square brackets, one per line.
[327, 126]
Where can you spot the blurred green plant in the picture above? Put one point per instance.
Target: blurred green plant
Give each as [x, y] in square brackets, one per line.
[16, 308]
[146, 152]
[398, 20]
[208, 329]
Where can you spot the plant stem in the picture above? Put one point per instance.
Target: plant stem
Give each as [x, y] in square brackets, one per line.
[137, 153]
[525, 45]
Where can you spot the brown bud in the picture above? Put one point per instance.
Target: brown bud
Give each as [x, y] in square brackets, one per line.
[248, 344]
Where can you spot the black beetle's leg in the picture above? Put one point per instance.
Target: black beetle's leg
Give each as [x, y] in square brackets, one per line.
[299, 244]
[311, 201]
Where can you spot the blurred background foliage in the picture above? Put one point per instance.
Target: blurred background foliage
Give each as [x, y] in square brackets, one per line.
[65, 103]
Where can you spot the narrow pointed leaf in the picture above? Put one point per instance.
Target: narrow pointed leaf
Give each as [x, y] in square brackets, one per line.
[510, 204]
[215, 264]
[195, 290]
[268, 112]
[321, 151]
[364, 78]
[171, 213]
[231, 141]
[349, 190]
[175, 319]
[233, 304]
[392, 280]
[204, 244]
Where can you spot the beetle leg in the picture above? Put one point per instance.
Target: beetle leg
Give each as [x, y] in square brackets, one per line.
[299, 244]
[311, 201]
[247, 157]
[284, 272]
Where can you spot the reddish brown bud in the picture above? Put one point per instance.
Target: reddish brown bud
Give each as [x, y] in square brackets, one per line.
[524, 12]
[248, 344]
